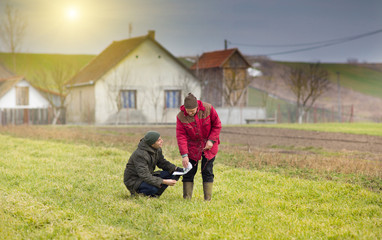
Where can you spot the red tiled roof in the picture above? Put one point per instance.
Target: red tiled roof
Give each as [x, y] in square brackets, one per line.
[106, 60]
[213, 59]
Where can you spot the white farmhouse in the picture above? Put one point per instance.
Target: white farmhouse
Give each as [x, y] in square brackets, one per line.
[133, 81]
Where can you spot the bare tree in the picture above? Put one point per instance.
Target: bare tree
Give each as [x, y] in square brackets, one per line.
[307, 83]
[187, 85]
[236, 84]
[53, 86]
[12, 31]
[130, 29]
[114, 86]
[154, 97]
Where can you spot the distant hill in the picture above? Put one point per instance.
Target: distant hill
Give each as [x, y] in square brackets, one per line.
[30, 65]
[188, 62]
[364, 78]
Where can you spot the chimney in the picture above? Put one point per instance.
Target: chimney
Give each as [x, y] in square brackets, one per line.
[151, 34]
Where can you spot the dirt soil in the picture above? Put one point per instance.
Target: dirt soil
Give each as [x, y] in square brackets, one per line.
[266, 137]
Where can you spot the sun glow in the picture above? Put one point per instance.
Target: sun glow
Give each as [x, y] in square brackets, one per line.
[72, 13]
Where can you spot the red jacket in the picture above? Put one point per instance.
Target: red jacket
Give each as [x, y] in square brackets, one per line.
[192, 133]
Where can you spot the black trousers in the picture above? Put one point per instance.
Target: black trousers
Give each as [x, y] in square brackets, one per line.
[153, 191]
[207, 169]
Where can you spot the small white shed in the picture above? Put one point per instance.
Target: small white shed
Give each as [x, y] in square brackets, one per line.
[21, 103]
[17, 92]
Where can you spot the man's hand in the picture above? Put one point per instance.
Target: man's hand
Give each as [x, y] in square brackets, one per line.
[185, 161]
[209, 145]
[170, 182]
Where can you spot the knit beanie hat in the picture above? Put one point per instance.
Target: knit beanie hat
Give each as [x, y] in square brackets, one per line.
[151, 137]
[190, 101]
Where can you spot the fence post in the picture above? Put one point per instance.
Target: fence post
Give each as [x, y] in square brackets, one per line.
[26, 116]
[48, 112]
[12, 116]
[351, 113]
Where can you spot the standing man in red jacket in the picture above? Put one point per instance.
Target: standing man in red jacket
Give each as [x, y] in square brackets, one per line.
[197, 132]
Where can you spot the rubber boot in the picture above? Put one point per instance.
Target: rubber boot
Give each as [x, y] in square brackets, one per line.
[187, 190]
[207, 189]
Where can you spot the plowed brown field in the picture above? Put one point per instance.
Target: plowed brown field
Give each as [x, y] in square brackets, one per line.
[266, 137]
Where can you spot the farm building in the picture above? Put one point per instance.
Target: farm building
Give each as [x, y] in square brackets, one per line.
[20, 102]
[224, 77]
[133, 81]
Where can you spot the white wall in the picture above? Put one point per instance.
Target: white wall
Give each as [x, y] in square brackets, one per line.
[239, 115]
[149, 71]
[36, 100]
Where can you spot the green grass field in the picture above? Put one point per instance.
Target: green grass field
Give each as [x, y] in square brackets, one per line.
[61, 190]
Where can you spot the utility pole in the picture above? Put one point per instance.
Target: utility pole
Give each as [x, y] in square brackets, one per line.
[130, 29]
[225, 44]
[339, 97]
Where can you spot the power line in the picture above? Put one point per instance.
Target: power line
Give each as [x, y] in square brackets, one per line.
[279, 45]
[311, 43]
[314, 45]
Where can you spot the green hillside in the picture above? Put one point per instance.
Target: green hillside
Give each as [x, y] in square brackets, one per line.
[364, 78]
[358, 78]
[31, 65]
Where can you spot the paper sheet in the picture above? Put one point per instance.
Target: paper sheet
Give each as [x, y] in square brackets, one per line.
[186, 170]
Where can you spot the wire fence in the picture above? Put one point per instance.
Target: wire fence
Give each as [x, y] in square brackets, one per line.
[285, 111]
[289, 114]
[348, 114]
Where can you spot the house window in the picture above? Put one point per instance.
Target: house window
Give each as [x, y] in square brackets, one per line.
[172, 98]
[129, 98]
[22, 96]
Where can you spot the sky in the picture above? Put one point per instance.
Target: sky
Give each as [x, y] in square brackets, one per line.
[191, 27]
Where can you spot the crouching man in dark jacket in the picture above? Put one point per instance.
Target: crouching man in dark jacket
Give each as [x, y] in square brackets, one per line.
[139, 176]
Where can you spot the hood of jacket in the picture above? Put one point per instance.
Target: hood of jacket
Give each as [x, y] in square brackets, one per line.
[144, 146]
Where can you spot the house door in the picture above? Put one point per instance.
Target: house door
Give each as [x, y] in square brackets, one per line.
[26, 116]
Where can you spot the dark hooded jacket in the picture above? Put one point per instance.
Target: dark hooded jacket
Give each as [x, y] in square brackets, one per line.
[141, 166]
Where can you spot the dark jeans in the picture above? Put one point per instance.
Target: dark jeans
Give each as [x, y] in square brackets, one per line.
[153, 191]
[207, 170]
